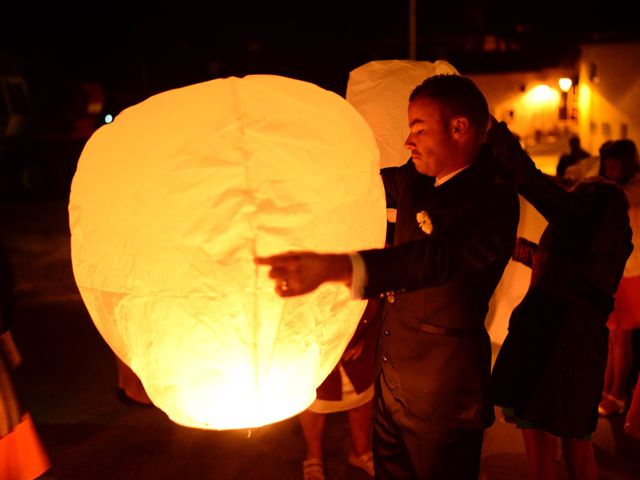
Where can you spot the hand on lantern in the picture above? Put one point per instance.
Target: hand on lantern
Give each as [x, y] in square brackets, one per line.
[297, 273]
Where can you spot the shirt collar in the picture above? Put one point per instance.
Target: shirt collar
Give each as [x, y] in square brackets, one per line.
[449, 176]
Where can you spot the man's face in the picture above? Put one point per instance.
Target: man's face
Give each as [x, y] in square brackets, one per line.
[429, 141]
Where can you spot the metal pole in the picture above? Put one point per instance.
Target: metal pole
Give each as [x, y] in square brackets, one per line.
[412, 29]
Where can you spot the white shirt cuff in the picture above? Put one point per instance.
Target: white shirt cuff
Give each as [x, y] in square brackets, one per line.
[359, 278]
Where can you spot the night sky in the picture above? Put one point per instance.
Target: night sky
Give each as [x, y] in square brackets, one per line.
[135, 49]
[159, 44]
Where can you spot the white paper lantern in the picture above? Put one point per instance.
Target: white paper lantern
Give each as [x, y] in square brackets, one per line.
[380, 91]
[169, 205]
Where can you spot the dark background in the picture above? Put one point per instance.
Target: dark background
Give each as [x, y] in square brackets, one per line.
[134, 49]
[158, 45]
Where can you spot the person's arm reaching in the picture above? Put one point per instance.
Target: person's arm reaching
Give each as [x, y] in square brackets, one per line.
[555, 204]
[297, 273]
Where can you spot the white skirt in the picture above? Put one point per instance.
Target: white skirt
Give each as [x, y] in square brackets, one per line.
[350, 399]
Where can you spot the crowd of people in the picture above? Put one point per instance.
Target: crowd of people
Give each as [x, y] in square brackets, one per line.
[416, 380]
[456, 229]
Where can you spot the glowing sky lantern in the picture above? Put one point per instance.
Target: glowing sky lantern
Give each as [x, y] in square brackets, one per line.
[380, 91]
[169, 205]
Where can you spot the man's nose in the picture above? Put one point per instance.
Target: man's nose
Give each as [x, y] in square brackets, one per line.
[408, 143]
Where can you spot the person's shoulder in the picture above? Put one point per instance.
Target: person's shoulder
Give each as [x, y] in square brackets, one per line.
[632, 190]
[406, 168]
[488, 184]
[634, 181]
[492, 176]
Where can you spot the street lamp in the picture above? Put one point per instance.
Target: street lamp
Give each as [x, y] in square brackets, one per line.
[565, 84]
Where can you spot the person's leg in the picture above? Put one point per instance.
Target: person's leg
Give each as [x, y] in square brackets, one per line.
[541, 451]
[313, 430]
[406, 447]
[443, 452]
[130, 385]
[578, 456]
[360, 426]
[390, 456]
[632, 421]
[608, 373]
[312, 424]
[616, 378]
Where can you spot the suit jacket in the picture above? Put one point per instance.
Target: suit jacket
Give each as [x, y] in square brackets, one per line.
[433, 350]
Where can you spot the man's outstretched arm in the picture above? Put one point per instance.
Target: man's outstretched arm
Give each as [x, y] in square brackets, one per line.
[297, 273]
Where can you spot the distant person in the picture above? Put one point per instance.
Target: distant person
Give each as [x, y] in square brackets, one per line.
[348, 388]
[619, 162]
[576, 153]
[549, 373]
[22, 456]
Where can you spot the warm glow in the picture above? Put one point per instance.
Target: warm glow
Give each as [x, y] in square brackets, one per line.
[585, 98]
[565, 84]
[542, 95]
[380, 91]
[169, 206]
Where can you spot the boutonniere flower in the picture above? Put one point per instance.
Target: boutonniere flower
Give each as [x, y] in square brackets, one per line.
[424, 222]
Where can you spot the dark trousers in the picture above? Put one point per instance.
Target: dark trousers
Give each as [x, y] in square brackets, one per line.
[408, 448]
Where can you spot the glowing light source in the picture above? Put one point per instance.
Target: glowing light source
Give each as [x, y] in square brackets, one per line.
[542, 94]
[565, 84]
[168, 207]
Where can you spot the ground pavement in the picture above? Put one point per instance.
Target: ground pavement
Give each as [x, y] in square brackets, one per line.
[68, 381]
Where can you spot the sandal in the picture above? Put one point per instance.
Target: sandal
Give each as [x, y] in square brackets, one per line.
[365, 462]
[632, 420]
[312, 469]
[610, 405]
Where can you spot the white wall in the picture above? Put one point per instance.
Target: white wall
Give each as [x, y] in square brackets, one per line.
[609, 92]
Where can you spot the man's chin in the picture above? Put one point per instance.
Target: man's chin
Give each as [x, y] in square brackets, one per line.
[421, 168]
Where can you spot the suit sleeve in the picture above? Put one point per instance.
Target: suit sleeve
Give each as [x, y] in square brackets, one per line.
[557, 205]
[524, 251]
[484, 234]
[393, 178]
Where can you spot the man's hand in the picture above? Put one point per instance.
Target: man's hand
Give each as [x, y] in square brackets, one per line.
[507, 149]
[297, 273]
[504, 143]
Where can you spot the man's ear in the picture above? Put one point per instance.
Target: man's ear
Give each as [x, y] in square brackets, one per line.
[459, 126]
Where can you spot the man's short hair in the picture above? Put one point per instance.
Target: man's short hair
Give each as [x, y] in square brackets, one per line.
[458, 96]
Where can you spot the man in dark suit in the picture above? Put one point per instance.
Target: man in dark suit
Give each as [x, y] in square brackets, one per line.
[455, 231]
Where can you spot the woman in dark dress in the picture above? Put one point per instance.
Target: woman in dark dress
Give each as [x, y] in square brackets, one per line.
[549, 373]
